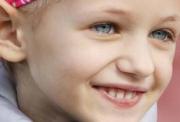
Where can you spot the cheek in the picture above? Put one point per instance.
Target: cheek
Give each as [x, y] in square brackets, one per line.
[163, 73]
[62, 66]
[79, 63]
[72, 58]
[162, 77]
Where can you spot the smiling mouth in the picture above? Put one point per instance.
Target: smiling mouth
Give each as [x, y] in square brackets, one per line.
[121, 96]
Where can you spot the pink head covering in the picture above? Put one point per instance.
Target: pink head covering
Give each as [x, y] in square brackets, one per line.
[19, 3]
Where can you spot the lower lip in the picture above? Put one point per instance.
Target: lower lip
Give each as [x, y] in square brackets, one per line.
[126, 104]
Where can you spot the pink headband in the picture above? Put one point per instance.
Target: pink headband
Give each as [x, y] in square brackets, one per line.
[19, 3]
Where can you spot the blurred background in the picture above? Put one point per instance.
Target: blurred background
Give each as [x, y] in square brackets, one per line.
[169, 104]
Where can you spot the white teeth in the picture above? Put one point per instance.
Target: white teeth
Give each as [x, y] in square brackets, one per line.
[120, 94]
[112, 92]
[129, 95]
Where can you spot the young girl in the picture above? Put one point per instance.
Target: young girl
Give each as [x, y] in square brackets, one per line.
[89, 60]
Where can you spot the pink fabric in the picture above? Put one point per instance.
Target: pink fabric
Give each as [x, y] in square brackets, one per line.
[19, 3]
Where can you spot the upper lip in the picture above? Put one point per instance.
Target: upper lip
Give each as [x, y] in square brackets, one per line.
[126, 87]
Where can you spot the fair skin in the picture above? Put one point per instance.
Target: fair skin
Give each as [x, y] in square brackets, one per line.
[78, 64]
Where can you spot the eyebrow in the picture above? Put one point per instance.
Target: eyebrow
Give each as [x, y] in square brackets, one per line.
[118, 11]
[172, 18]
[126, 12]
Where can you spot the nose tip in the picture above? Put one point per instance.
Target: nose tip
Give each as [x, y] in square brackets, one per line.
[138, 67]
[143, 69]
[137, 58]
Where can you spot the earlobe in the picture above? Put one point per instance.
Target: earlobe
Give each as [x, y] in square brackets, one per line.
[11, 48]
[11, 52]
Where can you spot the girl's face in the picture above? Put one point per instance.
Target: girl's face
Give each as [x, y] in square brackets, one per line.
[104, 60]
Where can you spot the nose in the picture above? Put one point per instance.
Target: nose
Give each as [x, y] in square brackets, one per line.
[136, 60]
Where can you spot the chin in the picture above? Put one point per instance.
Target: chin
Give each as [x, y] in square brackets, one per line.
[92, 116]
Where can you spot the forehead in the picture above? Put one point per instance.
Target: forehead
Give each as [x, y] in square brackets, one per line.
[143, 3]
[133, 6]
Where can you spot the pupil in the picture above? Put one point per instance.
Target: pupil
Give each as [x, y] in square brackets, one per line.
[104, 28]
[159, 34]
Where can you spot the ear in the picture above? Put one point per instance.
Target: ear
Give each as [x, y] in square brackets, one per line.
[11, 44]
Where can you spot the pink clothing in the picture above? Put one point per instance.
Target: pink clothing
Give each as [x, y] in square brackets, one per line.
[19, 3]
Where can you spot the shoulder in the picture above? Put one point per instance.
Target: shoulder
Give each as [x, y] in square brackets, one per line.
[8, 104]
[151, 115]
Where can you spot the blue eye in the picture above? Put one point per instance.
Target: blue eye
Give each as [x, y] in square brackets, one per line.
[104, 28]
[162, 35]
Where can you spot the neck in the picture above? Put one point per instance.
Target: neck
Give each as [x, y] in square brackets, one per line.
[33, 102]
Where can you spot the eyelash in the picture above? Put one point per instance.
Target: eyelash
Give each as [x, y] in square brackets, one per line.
[114, 29]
